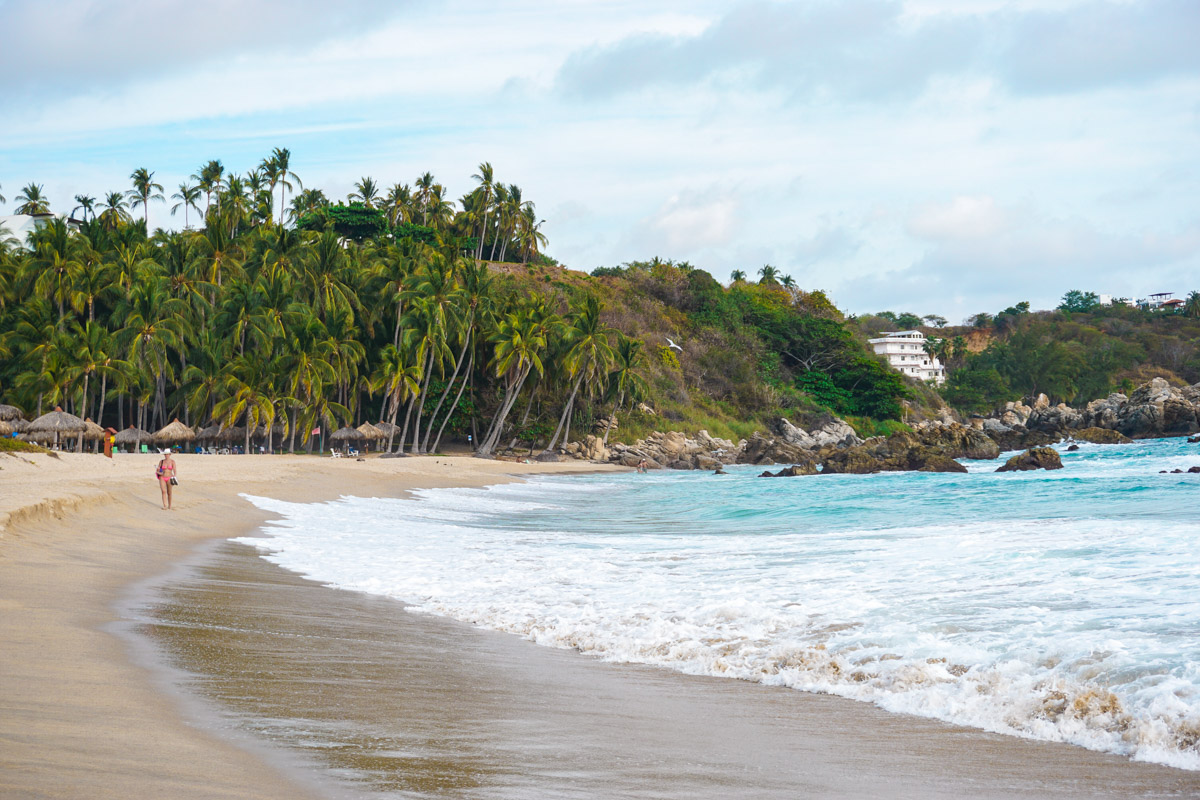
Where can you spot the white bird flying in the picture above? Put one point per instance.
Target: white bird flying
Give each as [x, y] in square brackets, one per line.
[672, 344]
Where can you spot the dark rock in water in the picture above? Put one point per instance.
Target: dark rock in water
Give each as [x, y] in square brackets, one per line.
[1034, 458]
[1176, 472]
[1018, 437]
[1194, 470]
[900, 452]
[719, 471]
[792, 471]
[1194, 440]
[1072, 448]
[1101, 436]
[939, 463]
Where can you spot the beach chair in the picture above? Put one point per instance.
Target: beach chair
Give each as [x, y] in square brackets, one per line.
[335, 453]
[353, 452]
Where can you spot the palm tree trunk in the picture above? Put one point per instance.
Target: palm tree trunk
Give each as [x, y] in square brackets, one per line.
[498, 424]
[457, 365]
[525, 417]
[566, 413]
[404, 427]
[470, 364]
[608, 427]
[103, 394]
[416, 445]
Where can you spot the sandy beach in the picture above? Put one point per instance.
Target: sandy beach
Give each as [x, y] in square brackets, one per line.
[86, 712]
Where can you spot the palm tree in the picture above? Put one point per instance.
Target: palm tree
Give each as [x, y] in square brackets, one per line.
[366, 191]
[487, 186]
[188, 197]
[520, 339]
[588, 356]
[787, 282]
[55, 263]
[208, 178]
[399, 203]
[33, 202]
[144, 190]
[1192, 307]
[398, 376]
[86, 203]
[625, 378]
[115, 213]
[424, 195]
[3, 199]
[768, 274]
[308, 200]
[281, 160]
[247, 385]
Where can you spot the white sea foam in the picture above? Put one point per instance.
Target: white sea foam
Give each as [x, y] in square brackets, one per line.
[1057, 609]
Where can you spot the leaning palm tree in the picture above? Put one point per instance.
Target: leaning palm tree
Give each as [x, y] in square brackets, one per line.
[188, 197]
[487, 185]
[32, 200]
[144, 190]
[520, 339]
[208, 177]
[398, 376]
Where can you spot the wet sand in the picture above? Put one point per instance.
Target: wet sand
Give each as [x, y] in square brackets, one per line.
[234, 678]
[399, 704]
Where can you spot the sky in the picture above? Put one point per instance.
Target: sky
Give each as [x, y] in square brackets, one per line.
[935, 156]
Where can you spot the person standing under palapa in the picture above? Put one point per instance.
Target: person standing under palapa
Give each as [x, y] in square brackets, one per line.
[165, 473]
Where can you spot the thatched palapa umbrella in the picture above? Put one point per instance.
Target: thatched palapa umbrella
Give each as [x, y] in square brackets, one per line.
[58, 422]
[209, 434]
[371, 433]
[6, 428]
[174, 433]
[93, 432]
[346, 435]
[134, 437]
[10, 413]
[387, 429]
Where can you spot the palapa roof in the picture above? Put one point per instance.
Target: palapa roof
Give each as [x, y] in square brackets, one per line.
[94, 432]
[6, 427]
[10, 413]
[346, 434]
[235, 434]
[132, 435]
[58, 421]
[212, 432]
[370, 431]
[175, 432]
[387, 428]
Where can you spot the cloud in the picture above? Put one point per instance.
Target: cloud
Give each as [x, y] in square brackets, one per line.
[996, 255]
[873, 49]
[687, 224]
[827, 244]
[73, 45]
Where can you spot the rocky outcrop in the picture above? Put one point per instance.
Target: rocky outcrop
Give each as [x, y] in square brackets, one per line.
[672, 450]
[1034, 458]
[956, 440]
[1155, 409]
[1054, 419]
[1100, 436]
[793, 471]
[590, 449]
[900, 452]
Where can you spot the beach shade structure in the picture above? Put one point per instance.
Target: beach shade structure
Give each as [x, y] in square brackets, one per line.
[7, 428]
[174, 433]
[10, 413]
[210, 434]
[133, 437]
[21, 425]
[346, 436]
[93, 432]
[387, 429]
[59, 423]
[372, 433]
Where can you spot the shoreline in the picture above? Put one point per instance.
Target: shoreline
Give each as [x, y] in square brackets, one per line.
[147, 739]
[78, 535]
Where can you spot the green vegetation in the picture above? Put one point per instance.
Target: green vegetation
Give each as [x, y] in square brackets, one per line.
[10, 445]
[1076, 353]
[443, 318]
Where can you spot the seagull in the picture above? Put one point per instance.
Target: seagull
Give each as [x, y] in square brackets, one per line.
[671, 344]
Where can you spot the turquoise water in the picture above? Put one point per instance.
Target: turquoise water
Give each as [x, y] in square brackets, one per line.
[1053, 605]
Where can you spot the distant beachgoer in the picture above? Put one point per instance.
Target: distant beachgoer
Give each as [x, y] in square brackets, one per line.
[641, 467]
[166, 478]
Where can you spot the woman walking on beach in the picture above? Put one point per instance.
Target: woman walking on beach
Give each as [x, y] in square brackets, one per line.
[166, 478]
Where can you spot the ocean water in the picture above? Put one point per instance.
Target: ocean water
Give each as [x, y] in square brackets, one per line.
[1062, 606]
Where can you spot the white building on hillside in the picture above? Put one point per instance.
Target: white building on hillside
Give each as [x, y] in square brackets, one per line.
[905, 351]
